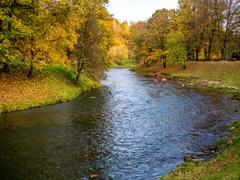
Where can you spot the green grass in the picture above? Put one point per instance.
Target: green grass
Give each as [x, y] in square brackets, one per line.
[62, 71]
[124, 64]
[226, 73]
[230, 91]
[225, 166]
[140, 69]
[19, 93]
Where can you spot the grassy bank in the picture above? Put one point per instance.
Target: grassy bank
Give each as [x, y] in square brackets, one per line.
[54, 86]
[225, 75]
[225, 166]
[213, 74]
[123, 64]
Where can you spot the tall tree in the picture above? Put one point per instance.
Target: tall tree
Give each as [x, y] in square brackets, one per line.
[159, 25]
[231, 25]
[90, 52]
[137, 38]
[176, 48]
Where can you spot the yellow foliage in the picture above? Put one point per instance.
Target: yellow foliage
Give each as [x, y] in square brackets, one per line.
[118, 53]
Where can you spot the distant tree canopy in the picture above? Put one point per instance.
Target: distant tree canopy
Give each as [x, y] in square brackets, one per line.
[119, 50]
[82, 34]
[36, 33]
[202, 29]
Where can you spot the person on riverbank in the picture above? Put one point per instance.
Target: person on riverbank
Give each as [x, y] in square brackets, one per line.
[158, 79]
[155, 79]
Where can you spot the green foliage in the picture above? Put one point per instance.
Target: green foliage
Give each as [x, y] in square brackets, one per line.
[137, 41]
[209, 27]
[210, 31]
[90, 53]
[235, 124]
[140, 69]
[64, 71]
[123, 64]
[176, 48]
[148, 39]
[230, 91]
[37, 35]
[86, 83]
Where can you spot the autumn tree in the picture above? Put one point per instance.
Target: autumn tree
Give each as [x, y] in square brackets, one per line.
[13, 29]
[159, 25]
[210, 26]
[176, 48]
[120, 37]
[34, 32]
[90, 51]
[137, 36]
[231, 26]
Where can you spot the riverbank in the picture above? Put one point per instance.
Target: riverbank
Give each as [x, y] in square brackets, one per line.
[54, 86]
[220, 75]
[124, 64]
[224, 75]
[226, 165]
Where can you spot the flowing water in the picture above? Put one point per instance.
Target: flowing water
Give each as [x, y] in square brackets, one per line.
[129, 129]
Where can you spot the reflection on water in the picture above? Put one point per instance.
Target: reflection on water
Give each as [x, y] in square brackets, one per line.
[129, 129]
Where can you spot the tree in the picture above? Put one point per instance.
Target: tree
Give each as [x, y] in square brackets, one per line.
[231, 28]
[137, 38]
[51, 34]
[118, 53]
[120, 36]
[176, 48]
[159, 25]
[90, 52]
[34, 32]
[210, 26]
[13, 29]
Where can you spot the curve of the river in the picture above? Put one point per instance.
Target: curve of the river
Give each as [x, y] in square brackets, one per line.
[129, 129]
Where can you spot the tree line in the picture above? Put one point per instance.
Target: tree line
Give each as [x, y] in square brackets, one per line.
[37, 33]
[198, 29]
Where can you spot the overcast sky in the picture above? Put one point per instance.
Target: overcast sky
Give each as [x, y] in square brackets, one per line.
[135, 10]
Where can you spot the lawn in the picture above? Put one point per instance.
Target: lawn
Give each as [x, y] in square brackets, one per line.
[18, 92]
[227, 73]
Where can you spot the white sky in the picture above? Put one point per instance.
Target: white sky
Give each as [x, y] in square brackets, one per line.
[135, 10]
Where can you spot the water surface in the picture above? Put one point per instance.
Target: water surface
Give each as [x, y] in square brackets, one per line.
[129, 129]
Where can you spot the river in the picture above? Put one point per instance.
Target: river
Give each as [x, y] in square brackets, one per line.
[128, 129]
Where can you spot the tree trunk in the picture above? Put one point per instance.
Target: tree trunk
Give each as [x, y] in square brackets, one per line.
[78, 74]
[229, 17]
[193, 57]
[79, 70]
[164, 64]
[5, 68]
[211, 38]
[77, 78]
[209, 50]
[1, 25]
[197, 54]
[223, 52]
[205, 53]
[30, 72]
[68, 53]
[184, 66]
[147, 64]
